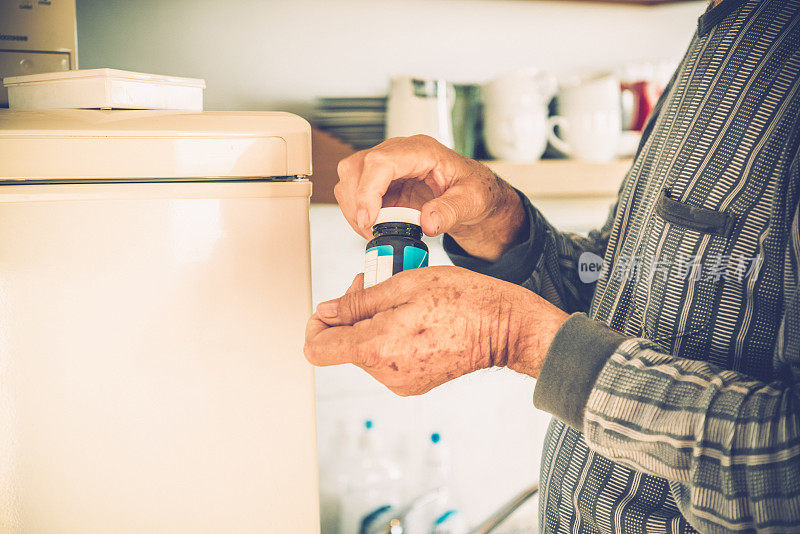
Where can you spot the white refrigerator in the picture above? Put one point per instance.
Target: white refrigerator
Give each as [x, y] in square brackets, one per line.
[154, 288]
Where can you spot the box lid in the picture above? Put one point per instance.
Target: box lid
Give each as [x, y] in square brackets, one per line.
[105, 74]
[104, 89]
[157, 145]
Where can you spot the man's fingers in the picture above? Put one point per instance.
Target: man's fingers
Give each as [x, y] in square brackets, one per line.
[357, 305]
[361, 305]
[314, 326]
[408, 171]
[350, 170]
[382, 166]
[457, 204]
[334, 345]
[326, 345]
[328, 311]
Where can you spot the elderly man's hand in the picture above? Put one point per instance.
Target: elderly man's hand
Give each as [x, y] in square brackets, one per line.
[455, 194]
[424, 327]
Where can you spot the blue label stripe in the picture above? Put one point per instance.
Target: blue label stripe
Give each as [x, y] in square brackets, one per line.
[383, 250]
[414, 258]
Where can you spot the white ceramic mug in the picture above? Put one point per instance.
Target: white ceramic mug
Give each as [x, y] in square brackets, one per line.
[515, 115]
[589, 119]
[419, 106]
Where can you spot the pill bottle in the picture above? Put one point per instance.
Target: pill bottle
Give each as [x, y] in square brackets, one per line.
[397, 245]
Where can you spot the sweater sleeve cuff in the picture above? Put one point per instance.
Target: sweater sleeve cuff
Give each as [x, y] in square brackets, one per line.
[571, 366]
[515, 265]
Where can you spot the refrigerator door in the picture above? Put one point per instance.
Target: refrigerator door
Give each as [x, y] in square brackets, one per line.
[152, 377]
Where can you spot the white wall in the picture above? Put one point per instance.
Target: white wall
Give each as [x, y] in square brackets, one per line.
[281, 54]
[259, 54]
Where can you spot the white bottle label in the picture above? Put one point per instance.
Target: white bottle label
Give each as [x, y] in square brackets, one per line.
[378, 265]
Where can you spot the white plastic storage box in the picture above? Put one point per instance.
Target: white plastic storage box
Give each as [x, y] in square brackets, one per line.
[104, 89]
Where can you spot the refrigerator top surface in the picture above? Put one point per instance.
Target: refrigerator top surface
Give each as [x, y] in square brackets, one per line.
[64, 145]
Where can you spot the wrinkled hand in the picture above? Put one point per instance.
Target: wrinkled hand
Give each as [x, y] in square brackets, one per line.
[455, 194]
[424, 327]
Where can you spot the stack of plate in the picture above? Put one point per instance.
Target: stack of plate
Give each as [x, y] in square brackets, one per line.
[359, 121]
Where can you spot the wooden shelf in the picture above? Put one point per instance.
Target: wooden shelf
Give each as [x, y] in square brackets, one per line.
[562, 178]
[549, 179]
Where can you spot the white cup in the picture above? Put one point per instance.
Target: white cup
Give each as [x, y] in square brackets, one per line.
[589, 119]
[421, 106]
[515, 115]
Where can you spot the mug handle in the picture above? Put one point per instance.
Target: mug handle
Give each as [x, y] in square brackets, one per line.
[555, 140]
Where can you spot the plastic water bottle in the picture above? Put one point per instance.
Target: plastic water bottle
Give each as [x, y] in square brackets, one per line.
[446, 519]
[372, 487]
[437, 464]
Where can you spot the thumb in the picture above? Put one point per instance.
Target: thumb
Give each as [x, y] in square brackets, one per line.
[328, 311]
[357, 284]
[357, 304]
[456, 205]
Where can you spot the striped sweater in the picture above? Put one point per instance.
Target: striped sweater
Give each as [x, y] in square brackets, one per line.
[675, 384]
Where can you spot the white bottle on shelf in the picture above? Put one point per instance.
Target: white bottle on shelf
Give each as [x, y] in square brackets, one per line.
[371, 485]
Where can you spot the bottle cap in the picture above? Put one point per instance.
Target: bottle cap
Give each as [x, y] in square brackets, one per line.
[398, 215]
